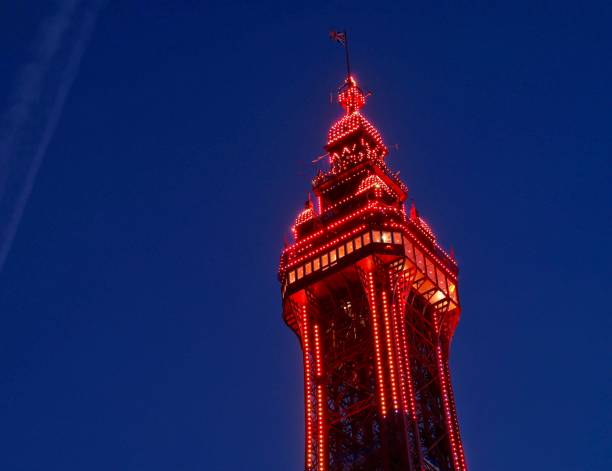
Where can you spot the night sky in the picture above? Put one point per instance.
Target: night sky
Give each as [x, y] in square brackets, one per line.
[140, 310]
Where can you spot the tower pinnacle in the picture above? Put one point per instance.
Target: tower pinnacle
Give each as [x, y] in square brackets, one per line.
[352, 138]
[351, 97]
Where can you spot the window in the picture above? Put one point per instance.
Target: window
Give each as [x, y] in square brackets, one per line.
[324, 261]
[408, 249]
[397, 238]
[431, 271]
[376, 236]
[349, 246]
[291, 276]
[366, 238]
[308, 268]
[357, 243]
[300, 272]
[341, 251]
[420, 260]
[441, 280]
[316, 264]
[332, 256]
[386, 237]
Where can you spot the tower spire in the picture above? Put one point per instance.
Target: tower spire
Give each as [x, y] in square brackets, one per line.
[346, 53]
[342, 38]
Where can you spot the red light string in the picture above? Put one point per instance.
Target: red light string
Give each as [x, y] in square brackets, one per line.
[404, 376]
[377, 347]
[445, 398]
[320, 400]
[390, 356]
[308, 383]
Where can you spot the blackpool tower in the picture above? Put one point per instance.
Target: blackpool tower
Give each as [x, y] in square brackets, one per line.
[373, 300]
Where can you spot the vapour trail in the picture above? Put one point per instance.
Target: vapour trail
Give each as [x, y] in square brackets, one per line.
[22, 115]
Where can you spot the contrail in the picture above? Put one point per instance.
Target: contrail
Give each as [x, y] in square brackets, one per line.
[35, 82]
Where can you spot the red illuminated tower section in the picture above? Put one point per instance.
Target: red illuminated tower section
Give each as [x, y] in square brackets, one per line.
[373, 300]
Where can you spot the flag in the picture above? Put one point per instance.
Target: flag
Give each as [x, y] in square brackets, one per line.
[338, 36]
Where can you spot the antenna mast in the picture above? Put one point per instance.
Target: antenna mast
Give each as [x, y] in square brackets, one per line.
[346, 51]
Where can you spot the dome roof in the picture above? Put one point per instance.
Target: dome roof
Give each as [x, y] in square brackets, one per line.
[352, 99]
[306, 215]
[373, 181]
[351, 124]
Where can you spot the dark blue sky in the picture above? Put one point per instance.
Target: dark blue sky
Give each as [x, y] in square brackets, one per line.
[139, 306]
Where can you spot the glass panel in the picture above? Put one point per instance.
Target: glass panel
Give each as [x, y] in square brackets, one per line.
[441, 280]
[438, 296]
[408, 249]
[308, 268]
[366, 238]
[316, 264]
[397, 238]
[375, 236]
[300, 272]
[349, 246]
[420, 260]
[324, 260]
[452, 290]
[332, 256]
[431, 271]
[341, 251]
[386, 237]
[291, 276]
[357, 243]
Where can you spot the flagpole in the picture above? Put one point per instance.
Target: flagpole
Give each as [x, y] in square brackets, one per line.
[346, 51]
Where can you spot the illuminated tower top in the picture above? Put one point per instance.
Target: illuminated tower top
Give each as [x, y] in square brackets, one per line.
[351, 97]
[352, 138]
[373, 299]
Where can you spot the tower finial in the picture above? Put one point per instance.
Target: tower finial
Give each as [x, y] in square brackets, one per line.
[413, 212]
[351, 97]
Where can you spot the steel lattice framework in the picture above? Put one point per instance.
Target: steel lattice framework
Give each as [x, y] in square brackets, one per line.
[374, 302]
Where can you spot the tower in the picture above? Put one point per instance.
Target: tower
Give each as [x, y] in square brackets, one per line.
[373, 300]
